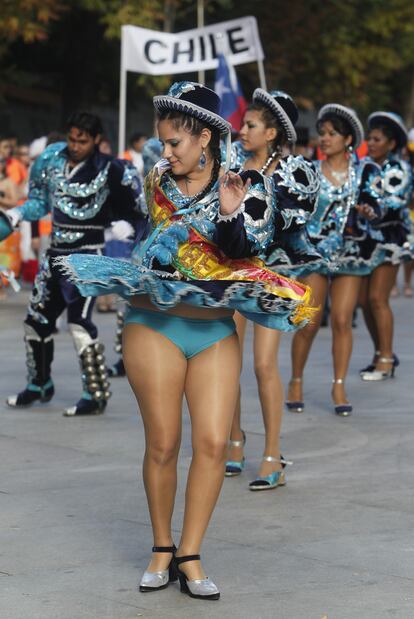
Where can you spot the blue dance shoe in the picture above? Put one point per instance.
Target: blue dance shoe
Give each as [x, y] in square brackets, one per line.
[275, 479]
[233, 467]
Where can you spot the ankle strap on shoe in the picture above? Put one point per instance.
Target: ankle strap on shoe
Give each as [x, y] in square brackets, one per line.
[164, 549]
[270, 459]
[386, 360]
[239, 443]
[180, 560]
[273, 459]
[338, 381]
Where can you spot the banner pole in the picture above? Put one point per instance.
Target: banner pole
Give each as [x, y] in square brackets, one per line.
[262, 76]
[122, 102]
[200, 24]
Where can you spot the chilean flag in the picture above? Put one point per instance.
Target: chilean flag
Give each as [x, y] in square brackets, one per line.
[233, 104]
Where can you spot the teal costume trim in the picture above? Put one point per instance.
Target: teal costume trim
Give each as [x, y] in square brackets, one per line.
[348, 243]
[294, 186]
[190, 335]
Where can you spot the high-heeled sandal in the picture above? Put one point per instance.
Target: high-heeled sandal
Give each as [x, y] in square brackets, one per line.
[234, 467]
[201, 589]
[371, 366]
[275, 479]
[377, 375]
[297, 406]
[343, 410]
[155, 581]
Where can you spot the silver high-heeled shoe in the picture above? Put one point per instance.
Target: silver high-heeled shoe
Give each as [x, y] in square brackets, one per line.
[201, 589]
[155, 581]
[377, 375]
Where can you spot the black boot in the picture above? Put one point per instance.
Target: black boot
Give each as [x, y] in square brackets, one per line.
[85, 406]
[117, 369]
[39, 357]
[94, 375]
[31, 394]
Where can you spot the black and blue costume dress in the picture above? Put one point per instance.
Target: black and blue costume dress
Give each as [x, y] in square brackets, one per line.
[395, 223]
[347, 243]
[197, 256]
[295, 189]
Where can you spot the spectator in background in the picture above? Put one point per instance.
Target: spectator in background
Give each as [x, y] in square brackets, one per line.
[9, 249]
[8, 189]
[134, 152]
[105, 146]
[14, 168]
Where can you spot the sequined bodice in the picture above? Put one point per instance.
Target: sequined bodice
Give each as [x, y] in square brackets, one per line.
[397, 181]
[333, 205]
[78, 199]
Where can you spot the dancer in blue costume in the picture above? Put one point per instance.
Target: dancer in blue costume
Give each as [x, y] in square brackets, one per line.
[342, 231]
[85, 191]
[268, 127]
[387, 136]
[197, 267]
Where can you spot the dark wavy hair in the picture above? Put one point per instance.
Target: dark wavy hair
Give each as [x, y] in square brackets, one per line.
[89, 123]
[387, 130]
[270, 122]
[340, 125]
[194, 126]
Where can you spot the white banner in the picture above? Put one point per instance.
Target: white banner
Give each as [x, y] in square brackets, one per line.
[164, 53]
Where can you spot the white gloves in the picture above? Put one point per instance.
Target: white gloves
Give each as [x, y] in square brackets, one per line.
[14, 215]
[119, 231]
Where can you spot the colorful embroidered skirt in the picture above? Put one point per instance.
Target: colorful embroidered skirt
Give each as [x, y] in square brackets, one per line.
[259, 294]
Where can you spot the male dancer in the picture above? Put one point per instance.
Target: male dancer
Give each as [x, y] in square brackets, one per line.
[85, 191]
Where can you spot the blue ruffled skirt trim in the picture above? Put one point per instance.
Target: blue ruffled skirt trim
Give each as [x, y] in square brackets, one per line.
[353, 257]
[98, 275]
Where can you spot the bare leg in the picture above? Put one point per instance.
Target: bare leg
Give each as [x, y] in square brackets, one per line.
[236, 453]
[266, 348]
[344, 296]
[364, 303]
[303, 339]
[156, 370]
[211, 390]
[408, 270]
[381, 282]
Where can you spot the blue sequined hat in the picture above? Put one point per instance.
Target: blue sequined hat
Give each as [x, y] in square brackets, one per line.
[282, 106]
[196, 100]
[394, 121]
[351, 118]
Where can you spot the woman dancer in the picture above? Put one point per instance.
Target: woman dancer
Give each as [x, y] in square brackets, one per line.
[340, 230]
[387, 136]
[191, 348]
[268, 127]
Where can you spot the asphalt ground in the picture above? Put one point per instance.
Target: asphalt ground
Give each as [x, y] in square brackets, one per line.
[337, 542]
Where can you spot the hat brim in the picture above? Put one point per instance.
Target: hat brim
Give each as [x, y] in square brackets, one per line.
[164, 102]
[263, 97]
[349, 115]
[401, 133]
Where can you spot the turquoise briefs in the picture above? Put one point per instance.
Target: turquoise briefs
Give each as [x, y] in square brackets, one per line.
[190, 335]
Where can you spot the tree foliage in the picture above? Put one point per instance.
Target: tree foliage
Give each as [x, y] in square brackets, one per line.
[28, 19]
[358, 52]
